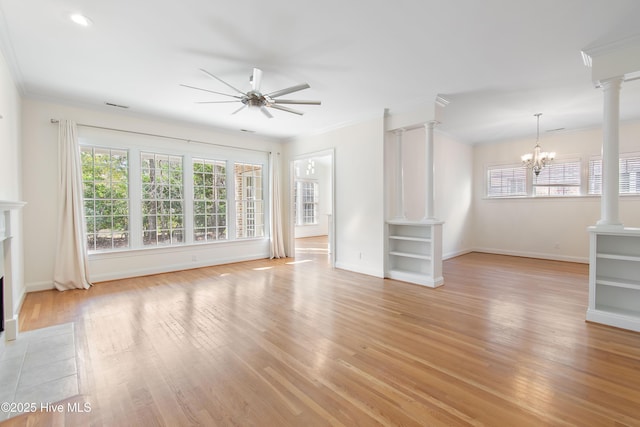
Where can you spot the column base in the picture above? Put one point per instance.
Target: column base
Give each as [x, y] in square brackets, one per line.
[609, 225]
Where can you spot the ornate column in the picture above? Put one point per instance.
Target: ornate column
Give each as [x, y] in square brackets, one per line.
[429, 172]
[609, 202]
[399, 175]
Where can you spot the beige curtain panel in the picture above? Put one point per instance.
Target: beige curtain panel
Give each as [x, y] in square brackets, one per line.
[70, 271]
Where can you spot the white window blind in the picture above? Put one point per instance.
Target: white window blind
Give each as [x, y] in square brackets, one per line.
[629, 175]
[507, 181]
[560, 178]
[595, 176]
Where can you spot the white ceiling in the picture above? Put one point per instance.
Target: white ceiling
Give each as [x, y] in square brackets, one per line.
[497, 61]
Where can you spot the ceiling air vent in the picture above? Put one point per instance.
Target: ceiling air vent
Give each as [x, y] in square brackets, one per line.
[111, 104]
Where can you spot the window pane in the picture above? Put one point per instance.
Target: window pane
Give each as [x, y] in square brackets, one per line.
[629, 175]
[210, 195]
[507, 181]
[558, 179]
[162, 201]
[249, 206]
[306, 202]
[105, 175]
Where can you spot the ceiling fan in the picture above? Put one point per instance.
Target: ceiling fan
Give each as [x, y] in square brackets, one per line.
[256, 99]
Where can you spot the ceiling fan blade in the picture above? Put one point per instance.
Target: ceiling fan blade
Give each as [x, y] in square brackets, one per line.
[288, 90]
[221, 81]
[266, 112]
[212, 91]
[295, 101]
[287, 109]
[239, 109]
[256, 79]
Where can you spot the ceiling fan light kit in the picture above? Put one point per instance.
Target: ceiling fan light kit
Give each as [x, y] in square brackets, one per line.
[255, 99]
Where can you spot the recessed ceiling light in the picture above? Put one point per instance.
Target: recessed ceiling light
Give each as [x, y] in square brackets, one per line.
[80, 19]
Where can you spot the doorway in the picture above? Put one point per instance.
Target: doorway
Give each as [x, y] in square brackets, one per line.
[312, 207]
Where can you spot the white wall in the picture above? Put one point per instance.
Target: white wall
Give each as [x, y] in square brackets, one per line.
[553, 228]
[40, 192]
[10, 178]
[359, 199]
[453, 166]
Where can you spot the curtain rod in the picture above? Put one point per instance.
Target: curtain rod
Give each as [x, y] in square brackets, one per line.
[166, 137]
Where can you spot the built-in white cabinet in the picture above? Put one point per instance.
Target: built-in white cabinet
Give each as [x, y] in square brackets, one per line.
[614, 277]
[414, 252]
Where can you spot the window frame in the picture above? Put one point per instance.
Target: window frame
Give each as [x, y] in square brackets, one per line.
[573, 162]
[300, 203]
[166, 205]
[513, 167]
[215, 201]
[248, 197]
[94, 200]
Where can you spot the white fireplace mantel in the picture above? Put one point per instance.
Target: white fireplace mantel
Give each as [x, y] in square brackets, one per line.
[10, 262]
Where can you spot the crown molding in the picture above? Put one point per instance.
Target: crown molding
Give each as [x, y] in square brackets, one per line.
[602, 48]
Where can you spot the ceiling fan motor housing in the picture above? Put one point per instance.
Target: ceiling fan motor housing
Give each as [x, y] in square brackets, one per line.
[254, 99]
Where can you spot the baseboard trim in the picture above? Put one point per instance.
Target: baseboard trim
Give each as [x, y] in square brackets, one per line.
[39, 286]
[456, 254]
[359, 269]
[45, 285]
[538, 255]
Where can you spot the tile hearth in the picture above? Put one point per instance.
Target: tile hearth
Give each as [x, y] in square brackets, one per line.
[39, 367]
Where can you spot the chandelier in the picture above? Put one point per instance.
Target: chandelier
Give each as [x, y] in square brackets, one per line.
[537, 160]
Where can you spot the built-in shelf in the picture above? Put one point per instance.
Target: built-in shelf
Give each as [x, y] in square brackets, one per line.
[608, 281]
[412, 239]
[614, 272]
[414, 252]
[619, 257]
[410, 255]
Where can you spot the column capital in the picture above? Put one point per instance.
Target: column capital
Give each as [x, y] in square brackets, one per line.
[398, 132]
[431, 124]
[612, 82]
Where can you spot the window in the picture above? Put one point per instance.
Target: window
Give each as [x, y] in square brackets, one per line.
[162, 201]
[143, 192]
[560, 178]
[249, 200]
[595, 176]
[507, 181]
[105, 176]
[306, 202]
[209, 200]
[629, 175]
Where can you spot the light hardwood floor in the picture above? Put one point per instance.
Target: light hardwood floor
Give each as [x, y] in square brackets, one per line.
[295, 343]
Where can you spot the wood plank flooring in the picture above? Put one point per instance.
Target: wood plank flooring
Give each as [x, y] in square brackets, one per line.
[295, 343]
